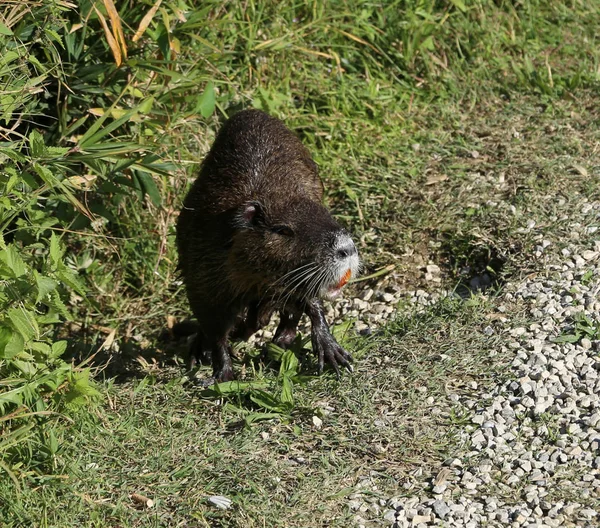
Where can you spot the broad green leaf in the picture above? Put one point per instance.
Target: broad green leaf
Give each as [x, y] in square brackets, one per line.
[266, 401]
[274, 352]
[56, 252]
[81, 389]
[587, 276]
[29, 368]
[55, 36]
[287, 391]
[15, 397]
[15, 345]
[5, 335]
[57, 152]
[33, 60]
[44, 285]
[567, 338]
[149, 187]
[206, 102]
[459, 5]
[40, 346]
[5, 30]
[52, 442]
[428, 44]
[58, 349]
[260, 417]
[10, 256]
[53, 317]
[24, 322]
[36, 144]
[146, 105]
[46, 174]
[13, 155]
[341, 331]
[289, 364]
[233, 387]
[71, 280]
[12, 181]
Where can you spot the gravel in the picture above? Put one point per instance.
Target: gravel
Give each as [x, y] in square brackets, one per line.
[530, 455]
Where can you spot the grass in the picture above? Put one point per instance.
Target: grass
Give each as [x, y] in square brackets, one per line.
[162, 440]
[440, 134]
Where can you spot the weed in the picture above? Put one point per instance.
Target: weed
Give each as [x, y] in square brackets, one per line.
[583, 326]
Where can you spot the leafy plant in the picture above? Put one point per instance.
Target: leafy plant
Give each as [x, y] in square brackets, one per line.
[34, 377]
[583, 326]
[275, 399]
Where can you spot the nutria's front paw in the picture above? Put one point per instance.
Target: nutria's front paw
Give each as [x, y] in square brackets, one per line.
[328, 349]
[223, 374]
[285, 338]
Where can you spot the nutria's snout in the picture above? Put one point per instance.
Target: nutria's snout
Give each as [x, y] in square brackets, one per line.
[345, 265]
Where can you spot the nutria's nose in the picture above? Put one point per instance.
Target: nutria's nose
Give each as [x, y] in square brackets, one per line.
[347, 250]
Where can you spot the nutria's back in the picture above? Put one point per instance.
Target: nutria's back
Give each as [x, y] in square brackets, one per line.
[254, 155]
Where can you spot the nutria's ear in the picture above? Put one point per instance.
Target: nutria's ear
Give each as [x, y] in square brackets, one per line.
[252, 214]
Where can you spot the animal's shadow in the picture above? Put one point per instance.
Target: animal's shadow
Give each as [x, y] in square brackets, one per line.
[164, 355]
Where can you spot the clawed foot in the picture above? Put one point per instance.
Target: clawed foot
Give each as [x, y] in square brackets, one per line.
[197, 353]
[223, 374]
[285, 338]
[218, 354]
[330, 351]
[287, 329]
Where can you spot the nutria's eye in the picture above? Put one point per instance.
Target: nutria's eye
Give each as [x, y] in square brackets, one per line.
[283, 230]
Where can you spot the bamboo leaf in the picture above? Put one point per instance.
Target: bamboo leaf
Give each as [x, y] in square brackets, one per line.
[146, 21]
[117, 28]
[112, 42]
[206, 102]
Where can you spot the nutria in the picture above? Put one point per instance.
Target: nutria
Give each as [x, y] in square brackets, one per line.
[253, 237]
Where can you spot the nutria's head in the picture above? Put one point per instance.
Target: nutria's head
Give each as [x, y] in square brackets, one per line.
[293, 248]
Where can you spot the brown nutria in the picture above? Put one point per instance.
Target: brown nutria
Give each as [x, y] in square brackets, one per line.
[253, 237]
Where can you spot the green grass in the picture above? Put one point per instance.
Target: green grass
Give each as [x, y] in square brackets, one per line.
[162, 440]
[440, 133]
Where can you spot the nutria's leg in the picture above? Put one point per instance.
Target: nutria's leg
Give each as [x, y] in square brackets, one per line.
[258, 316]
[246, 326]
[216, 326]
[288, 327]
[221, 360]
[198, 351]
[324, 344]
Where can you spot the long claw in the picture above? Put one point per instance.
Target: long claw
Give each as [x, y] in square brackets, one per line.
[324, 344]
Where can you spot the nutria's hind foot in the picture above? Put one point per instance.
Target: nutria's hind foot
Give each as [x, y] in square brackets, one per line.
[197, 351]
[221, 361]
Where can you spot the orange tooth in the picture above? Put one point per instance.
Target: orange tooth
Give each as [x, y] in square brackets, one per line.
[345, 278]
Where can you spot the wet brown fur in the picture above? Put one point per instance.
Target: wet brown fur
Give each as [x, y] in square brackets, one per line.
[257, 175]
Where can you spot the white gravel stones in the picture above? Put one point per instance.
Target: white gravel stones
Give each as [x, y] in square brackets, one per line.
[532, 455]
[368, 310]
